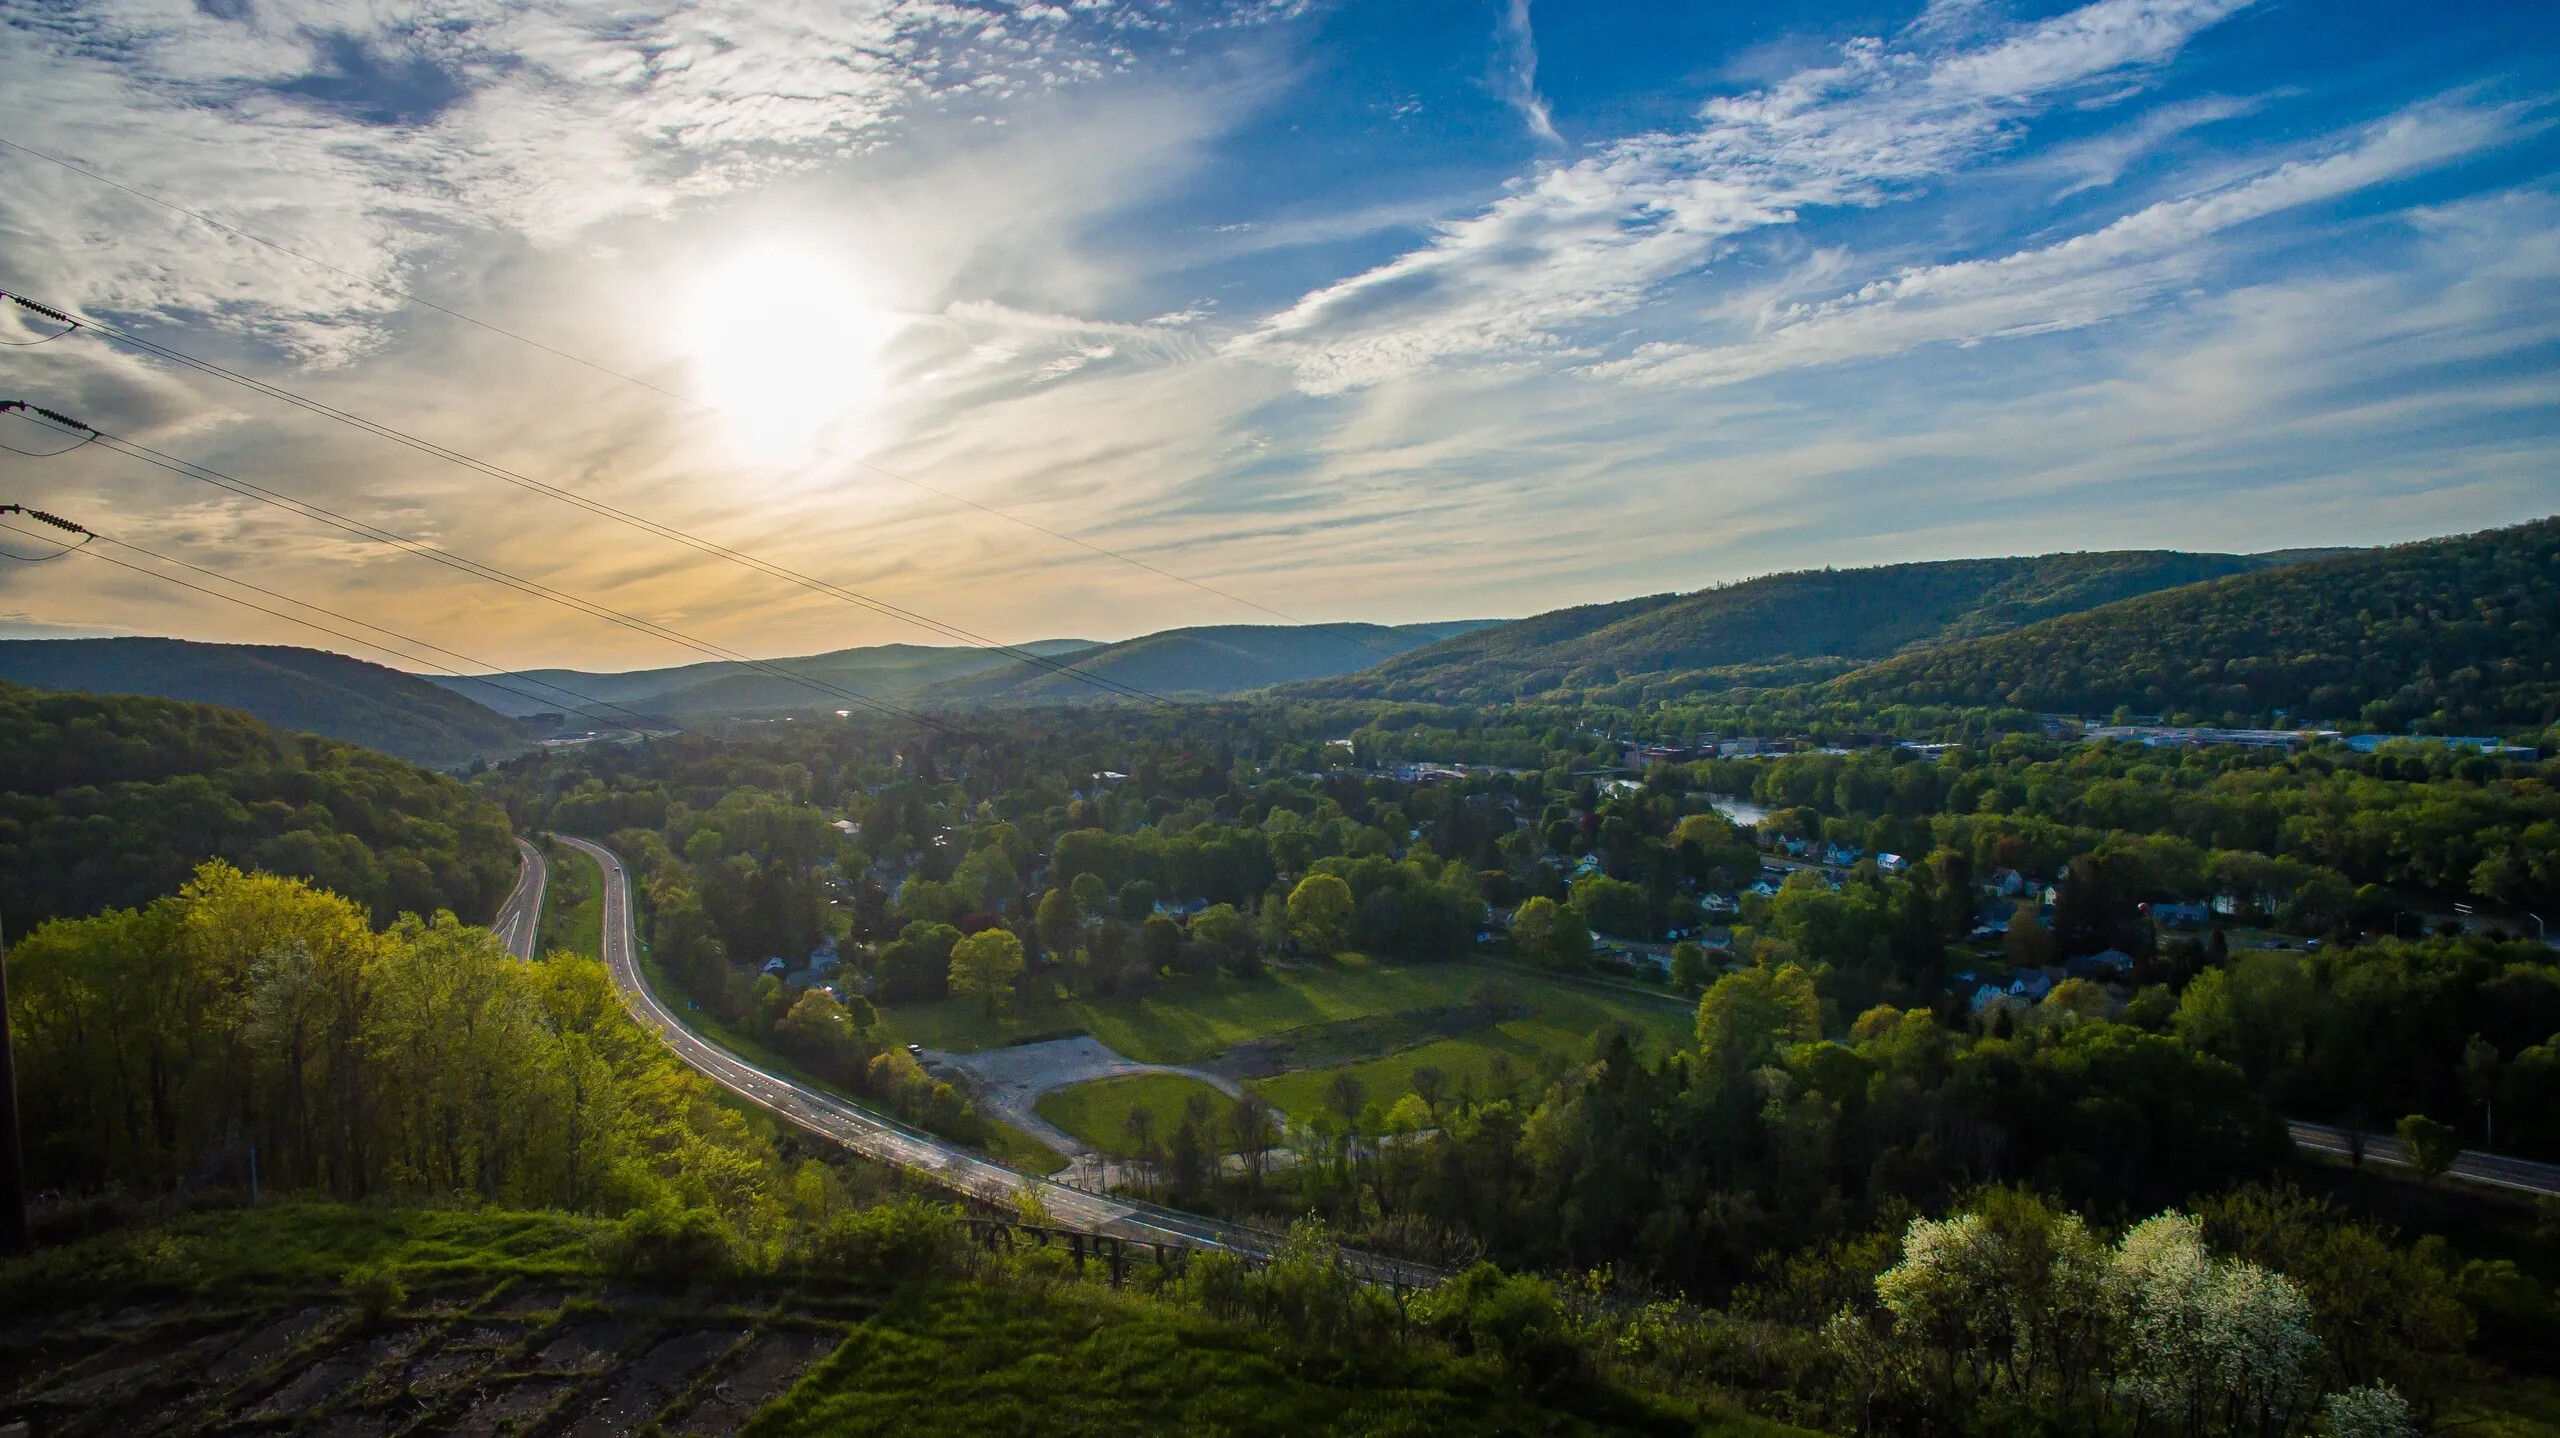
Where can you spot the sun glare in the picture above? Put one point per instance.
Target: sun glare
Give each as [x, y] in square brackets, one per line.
[785, 342]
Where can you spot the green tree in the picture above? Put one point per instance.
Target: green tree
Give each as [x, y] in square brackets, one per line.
[1688, 966]
[1570, 944]
[1750, 1017]
[1613, 906]
[1058, 924]
[985, 966]
[2433, 1146]
[1320, 910]
[1533, 927]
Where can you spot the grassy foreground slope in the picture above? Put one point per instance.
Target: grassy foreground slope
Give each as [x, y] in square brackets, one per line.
[2458, 635]
[399, 1321]
[110, 802]
[307, 689]
[1809, 623]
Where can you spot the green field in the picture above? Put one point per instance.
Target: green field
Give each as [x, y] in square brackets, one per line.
[1562, 1023]
[1098, 1112]
[572, 905]
[1188, 1020]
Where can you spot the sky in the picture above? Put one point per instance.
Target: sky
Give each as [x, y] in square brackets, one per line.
[1005, 321]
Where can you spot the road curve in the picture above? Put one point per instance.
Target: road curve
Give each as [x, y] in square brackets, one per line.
[519, 921]
[886, 1141]
[2494, 1169]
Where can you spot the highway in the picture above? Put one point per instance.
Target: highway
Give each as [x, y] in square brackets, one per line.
[2494, 1169]
[886, 1141]
[519, 921]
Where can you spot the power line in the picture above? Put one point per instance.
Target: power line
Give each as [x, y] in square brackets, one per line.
[384, 287]
[205, 474]
[57, 522]
[600, 508]
[492, 679]
[36, 411]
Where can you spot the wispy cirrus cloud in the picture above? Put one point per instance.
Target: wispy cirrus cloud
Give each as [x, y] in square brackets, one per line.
[1516, 72]
[2071, 284]
[1591, 240]
[368, 138]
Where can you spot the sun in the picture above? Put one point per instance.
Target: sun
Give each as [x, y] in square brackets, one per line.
[785, 343]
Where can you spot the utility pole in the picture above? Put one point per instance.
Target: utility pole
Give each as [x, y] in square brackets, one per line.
[14, 1239]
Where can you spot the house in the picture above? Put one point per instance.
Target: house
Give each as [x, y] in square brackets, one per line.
[1993, 920]
[1719, 903]
[2103, 965]
[1991, 994]
[1842, 854]
[2181, 916]
[2008, 883]
[1797, 847]
[2031, 985]
[1892, 863]
[1764, 889]
[776, 967]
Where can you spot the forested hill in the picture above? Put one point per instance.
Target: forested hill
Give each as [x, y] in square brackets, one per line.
[112, 801]
[725, 687]
[1214, 660]
[1781, 627]
[2460, 634]
[308, 689]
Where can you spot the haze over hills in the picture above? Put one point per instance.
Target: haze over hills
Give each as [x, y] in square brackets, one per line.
[1778, 628]
[1214, 660]
[726, 687]
[311, 690]
[2459, 635]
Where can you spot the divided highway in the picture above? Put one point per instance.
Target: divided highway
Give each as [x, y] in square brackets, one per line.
[2494, 1169]
[519, 921]
[885, 1141]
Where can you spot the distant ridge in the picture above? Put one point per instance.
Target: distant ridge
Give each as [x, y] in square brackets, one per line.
[2458, 635]
[1212, 661]
[880, 671]
[310, 690]
[1778, 629]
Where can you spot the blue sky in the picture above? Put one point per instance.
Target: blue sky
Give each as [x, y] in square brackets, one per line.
[1359, 311]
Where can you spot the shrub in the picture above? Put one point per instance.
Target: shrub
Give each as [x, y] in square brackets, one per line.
[668, 1242]
[1513, 1318]
[899, 1242]
[375, 1289]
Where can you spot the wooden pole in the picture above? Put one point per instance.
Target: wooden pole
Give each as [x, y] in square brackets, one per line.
[15, 1240]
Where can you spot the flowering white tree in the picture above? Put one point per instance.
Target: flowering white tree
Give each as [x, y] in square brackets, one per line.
[2210, 1344]
[2374, 1411]
[2014, 1296]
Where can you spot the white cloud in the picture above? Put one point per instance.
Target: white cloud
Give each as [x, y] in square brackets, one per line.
[1516, 72]
[2081, 281]
[1592, 239]
[372, 139]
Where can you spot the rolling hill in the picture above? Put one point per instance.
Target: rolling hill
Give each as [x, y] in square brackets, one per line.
[885, 671]
[1780, 628]
[312, 690]
[1215, 660]
[2457, 635]
[113, 800]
